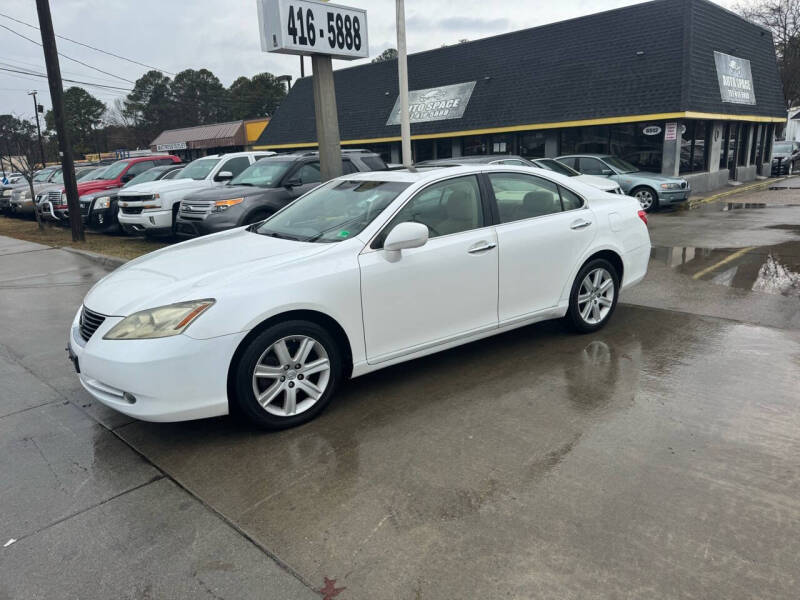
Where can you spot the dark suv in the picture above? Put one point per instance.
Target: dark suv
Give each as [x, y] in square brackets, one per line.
[262, 189]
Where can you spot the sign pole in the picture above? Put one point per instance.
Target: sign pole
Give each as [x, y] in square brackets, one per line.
[327, 117]
[402, 68]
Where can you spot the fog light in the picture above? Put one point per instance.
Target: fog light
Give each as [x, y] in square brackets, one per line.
[100, 219]
[129, 398]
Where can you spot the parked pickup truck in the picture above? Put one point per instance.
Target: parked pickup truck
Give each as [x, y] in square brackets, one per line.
[262, 189]
[152, 209]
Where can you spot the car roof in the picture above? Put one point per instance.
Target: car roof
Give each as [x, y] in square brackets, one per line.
[587, 154]
[433, 173]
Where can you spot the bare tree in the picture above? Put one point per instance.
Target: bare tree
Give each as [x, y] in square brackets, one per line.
[20, 136]
[782, 19]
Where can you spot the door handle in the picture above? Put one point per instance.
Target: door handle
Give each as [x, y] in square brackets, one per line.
[580, 224]
[482, 247]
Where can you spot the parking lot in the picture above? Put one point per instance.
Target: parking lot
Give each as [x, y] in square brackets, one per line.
[657, 458]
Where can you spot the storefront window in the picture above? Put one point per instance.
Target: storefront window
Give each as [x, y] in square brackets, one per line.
[474, 145]
[532, 145]
[639, 143]
[503, 144]
[383, 149]
[444, 148]
[754, 143]
[583, 140]
[423, 150]
[741, 152]
[732, 145]
[694, 146]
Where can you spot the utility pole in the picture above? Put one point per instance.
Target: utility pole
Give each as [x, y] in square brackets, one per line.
[327, 117]
[57, 97]
[402, 68]
[38, 129]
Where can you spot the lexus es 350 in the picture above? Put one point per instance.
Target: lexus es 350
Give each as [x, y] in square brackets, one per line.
[364, 271]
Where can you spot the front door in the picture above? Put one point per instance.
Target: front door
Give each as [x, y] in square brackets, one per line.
[543, 231]
[440, 291]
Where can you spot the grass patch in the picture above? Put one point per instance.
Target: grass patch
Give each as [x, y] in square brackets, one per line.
[119, 246]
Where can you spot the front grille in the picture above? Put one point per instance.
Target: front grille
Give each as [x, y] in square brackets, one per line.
[89, 323]
[197, 208]
[136, 197]
[127, 210]
[85, 208]
[54, 196]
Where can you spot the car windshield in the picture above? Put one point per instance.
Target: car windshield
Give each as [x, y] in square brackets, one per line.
[333, 212]
[43, 175]
[266, 173]
[554, 165]
[198, 169]
[623, 166]
[149, 175]
[784, 148]
[114, 170]
[84, 174]
[58, 177]
[96, 174]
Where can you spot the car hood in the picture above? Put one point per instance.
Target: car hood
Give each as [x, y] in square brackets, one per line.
[92, 195]
[602, 183]
[86, 187]
[194, 270]
[227, 191]
[780, 155]
[652, 177]
[166, 186]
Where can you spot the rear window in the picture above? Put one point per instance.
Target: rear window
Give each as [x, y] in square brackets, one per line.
[375, 163]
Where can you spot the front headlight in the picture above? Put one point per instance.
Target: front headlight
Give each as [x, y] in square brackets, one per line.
[102, 202]
[164, 321]
[670, 186]
[221, 205]
[6, 193]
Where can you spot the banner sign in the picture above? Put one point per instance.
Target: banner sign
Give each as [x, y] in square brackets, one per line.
[435, 104]
[307, 27]
[735, 79]
[168, 147]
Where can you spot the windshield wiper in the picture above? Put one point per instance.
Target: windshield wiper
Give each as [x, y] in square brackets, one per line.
[280, 236]
[244, 183]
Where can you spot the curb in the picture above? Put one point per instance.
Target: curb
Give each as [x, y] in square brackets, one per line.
[761, 185]
[99, 259]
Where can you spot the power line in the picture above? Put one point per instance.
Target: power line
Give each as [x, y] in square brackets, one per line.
[80, 62]
[99, 85]
[130, 60]
[40, 67]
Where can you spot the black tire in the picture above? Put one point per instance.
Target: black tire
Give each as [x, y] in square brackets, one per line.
[175, 210]
[574, 317]
[646, 193]
[244, 400]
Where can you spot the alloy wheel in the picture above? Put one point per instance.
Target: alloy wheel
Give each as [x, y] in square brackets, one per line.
[291, 375]
[596, 296]
[645, 198]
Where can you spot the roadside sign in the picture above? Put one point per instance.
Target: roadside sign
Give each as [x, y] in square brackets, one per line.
[308, 27]
[670, 131]
[168, 147]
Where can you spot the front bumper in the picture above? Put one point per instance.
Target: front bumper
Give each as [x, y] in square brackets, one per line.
[169, 379]
[101, 219]
[666, 197]
[206, 224]
[149, 220]
[23, 207]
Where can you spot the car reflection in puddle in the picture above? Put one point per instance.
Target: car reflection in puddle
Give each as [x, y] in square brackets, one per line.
[770, 269]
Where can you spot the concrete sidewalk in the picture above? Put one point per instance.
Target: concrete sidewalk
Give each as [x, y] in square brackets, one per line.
[83, 515]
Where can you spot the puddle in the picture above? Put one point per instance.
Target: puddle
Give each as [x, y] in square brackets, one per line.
[770, 269]
[730, 206]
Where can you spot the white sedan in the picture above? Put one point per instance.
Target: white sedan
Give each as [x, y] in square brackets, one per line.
[363, 272]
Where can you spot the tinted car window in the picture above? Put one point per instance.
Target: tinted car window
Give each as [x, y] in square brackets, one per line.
[140, 167]
[374, 162]
[348, 167]
[591, 166]
[570, 200]
[172, 174]
[236, 165]
[308, 173]
[447, 207]
[570, 161]
[521, 196]
[164, 161]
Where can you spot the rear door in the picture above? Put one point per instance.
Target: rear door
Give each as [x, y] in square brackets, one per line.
[305, 176]
[543, 231]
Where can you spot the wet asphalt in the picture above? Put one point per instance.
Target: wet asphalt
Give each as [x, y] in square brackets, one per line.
[658, 458]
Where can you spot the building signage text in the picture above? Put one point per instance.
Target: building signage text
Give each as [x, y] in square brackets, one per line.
[735, 79]
[435, 104]
[169, 147]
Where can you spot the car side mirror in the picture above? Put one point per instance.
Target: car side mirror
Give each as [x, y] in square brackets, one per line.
[607, 172]
[293, 183]
[223, 176]
[404, 236]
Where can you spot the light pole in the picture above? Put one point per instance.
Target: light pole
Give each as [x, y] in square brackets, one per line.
[38, 129]
[402, 68]
[287, 79]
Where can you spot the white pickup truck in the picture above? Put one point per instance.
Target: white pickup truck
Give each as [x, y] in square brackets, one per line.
[151, 208]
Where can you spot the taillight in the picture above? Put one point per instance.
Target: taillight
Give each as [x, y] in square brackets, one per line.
[643, 216]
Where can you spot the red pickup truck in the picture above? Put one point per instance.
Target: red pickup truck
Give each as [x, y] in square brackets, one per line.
[122, 171]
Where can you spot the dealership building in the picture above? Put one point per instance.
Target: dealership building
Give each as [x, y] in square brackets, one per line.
[680, 87]
[217, 138]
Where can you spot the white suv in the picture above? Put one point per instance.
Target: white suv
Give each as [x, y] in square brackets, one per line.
[153, 207]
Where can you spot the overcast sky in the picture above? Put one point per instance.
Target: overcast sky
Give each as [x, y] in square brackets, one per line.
[223, 36]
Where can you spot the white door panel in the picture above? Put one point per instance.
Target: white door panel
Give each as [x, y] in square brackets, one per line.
[441, 290]
[537, 257]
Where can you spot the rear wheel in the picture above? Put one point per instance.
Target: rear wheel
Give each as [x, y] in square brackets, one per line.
[287, 374]
[594, 296]
[647, 198]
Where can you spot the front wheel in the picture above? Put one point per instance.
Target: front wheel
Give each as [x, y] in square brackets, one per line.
[594, 296]
[647, 198]
[287, 374]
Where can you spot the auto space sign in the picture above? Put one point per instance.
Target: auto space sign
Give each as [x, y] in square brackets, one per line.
[735, 79]
[435, 104]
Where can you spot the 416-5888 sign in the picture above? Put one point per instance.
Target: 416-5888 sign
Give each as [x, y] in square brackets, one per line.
[311, 27]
